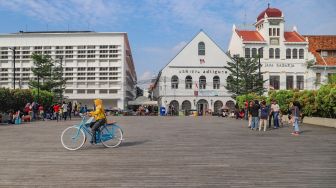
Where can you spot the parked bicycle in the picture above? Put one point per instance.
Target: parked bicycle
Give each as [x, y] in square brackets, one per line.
[74, 137]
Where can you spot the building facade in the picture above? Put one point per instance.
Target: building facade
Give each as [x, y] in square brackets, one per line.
[194, 79]
[283, 54]
[322, 52]
[95, 65]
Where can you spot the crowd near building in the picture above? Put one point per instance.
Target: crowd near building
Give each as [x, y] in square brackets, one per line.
[94, 64]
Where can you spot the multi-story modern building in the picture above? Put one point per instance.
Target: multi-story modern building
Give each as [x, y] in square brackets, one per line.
[284, 54]
[95, 65]
[195, 78]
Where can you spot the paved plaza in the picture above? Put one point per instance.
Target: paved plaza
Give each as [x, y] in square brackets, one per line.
[170, 152]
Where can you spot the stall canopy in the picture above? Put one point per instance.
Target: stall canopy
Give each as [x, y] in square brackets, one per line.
[142, 101]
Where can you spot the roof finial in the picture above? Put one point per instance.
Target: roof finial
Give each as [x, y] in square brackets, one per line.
[268, 5]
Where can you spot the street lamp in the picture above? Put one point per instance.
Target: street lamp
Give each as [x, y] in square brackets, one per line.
[259, 56]
[14, 52]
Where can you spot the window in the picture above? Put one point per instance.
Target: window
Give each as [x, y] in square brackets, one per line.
[91, 51]
[216, 82]
[275, 82]
[103, 78]
[81, 78]
[91, 56]
[270, 31]
[274, 32]
[103, 51]
[113, 91]
[300, 82]
[103, 47]
[91, 47]
[103, 91]
[81, 47]
[113, 68]
[68, 47]
[174, 82]
[318, 78]
[91, 74]
[254, 52]
[277, 53]
[247, 52]
[81, 91]
[274, 41]
[294, 53]
[103, 68]
[324, 53]
[103, 74]
[81, 68]
[201, 48]
[278, 31]
[289, 82]
[288, 53]
[91, 68]
[91, 91]
[91, 78]
[271, 53]
[301, 54]
[202, 82]
[261, 52]
[68, 91]
[80, 74]
[188, 82]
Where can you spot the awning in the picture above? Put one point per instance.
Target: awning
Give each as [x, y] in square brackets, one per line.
[142, 101]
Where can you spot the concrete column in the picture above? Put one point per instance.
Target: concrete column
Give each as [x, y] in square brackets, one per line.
[282, 80]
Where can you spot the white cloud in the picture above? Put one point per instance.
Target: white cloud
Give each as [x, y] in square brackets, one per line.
[147, 75]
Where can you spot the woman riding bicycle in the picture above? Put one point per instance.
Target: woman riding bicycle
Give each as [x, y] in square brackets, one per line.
[100, 118]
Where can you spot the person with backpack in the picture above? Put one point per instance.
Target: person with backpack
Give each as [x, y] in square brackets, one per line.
[264, 113]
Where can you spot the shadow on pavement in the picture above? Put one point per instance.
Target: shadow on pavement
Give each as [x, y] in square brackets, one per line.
[134, 143]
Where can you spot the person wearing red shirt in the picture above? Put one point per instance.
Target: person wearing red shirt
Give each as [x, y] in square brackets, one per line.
[56, 110]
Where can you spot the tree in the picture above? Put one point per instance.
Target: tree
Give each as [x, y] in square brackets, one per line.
[244, 77]
[49, 77]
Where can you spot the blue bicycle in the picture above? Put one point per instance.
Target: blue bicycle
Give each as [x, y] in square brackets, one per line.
[74, 137]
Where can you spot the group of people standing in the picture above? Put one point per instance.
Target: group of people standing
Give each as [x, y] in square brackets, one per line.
[62, 111]
[260, 115]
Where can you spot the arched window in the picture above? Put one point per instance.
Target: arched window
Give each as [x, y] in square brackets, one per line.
[188, 82]
[288, 53]
[301, 54]
[277, 53]
[202, 82]
[247, 52]
[271, 53]
[254, 52]
[216, 82]
[201, 48]
[295, 53]
[174, 82]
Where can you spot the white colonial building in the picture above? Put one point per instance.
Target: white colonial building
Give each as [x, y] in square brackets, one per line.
[284, 54]
[194, 79]
[95, 65]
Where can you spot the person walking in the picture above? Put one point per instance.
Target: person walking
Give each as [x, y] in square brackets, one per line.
[56, 111]
[65, 110]
[264, 112]
[249, 113]
[255, 115]
[69, 109]
[275, 108]
[295, 118]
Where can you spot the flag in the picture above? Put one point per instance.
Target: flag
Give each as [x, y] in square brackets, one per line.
[202, 61]
[196, 86]
[196, 89]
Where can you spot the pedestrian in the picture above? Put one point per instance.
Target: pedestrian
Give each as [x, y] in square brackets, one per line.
[75, 109]
[41, 112]
[56, 111]
[295, 118]
[275, 108]
[69, 109]
[249, 113]
[264, 112]
[65, 110]
[255, 115]
[246, 110]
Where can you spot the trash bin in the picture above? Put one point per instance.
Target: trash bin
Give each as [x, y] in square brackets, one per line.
[162, 111]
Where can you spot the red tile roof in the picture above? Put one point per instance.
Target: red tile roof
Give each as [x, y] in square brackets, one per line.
[325, 43]
[270, 12]
[293, 36]
[250, 35]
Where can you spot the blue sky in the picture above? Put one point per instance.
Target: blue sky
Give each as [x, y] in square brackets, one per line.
[158, 29]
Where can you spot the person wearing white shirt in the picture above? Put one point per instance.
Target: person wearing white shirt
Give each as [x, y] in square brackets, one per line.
[275, 109]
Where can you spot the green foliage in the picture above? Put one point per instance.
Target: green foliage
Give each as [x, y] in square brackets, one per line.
[49, 76]
[13, 100]
[45, 98]
[320, 103]
[244, 77]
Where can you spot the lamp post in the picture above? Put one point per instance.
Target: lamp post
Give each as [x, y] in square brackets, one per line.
[14, 52]
[259, 55]
[237, 75]
[61, 59]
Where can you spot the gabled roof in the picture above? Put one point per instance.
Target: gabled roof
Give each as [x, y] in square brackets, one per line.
[293, 36]
[250, 36]
[318, 43]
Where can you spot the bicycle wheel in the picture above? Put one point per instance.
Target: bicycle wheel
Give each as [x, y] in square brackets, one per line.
[111, 136]
[72, 138]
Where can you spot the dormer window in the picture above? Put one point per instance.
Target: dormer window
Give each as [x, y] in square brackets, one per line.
[201, 48]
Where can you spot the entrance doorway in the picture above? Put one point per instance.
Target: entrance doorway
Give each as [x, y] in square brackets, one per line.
[217, 107]
[202, 107]
[186, 107]
[173, 108]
